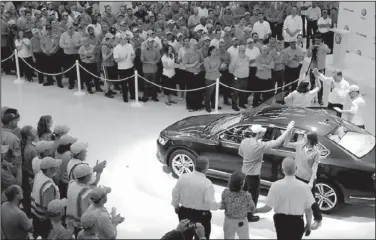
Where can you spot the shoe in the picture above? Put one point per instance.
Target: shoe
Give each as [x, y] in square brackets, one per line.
[227, 103]
[168, 103]
[70, 87]
[253, 218]
[48, 84]
[316, 225]
[236, 108]
[155, 99]
[90, 91]
[109, 95]
[60, 85]
[133, 98]
[99, 89]
[321, 103]
[144, 99]
[112, 92]
[208, 110]
[243, 106]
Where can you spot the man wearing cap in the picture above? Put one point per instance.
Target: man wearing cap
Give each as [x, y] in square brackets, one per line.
[70, 42]
[44, 149]
[150, 56]
[55, 212]
[44, 191]
[124, 56]
[357, 112]
[88, 231]
[252, 150]
[10, 137]
[324, 24]
[78, 195]
[278, 71]
[215, 41]
[105, 223]
[227, 37]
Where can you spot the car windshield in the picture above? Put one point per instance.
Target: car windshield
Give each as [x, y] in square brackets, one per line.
[358, 143]
[224, 123]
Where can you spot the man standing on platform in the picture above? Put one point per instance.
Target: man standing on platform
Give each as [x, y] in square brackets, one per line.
[292, 26]
[252, 150]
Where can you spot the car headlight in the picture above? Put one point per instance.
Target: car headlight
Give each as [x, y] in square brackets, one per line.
[162, 140]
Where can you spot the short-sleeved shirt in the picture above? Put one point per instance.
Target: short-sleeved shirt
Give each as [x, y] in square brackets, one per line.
[87, 52]
[14, 222]
[305, 158]
[103, 223]
[236, 204]
[301, 99]
[290, 196]
[59, 232]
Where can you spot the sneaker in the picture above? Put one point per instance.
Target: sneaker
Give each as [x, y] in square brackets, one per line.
[235, 108]
[316, 225]
[243, 106]
[99, 89]
[48, 84]
[109, 95]
[155, 99]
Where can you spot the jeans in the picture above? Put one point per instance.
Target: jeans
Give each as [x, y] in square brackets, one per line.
[291, 75]
[226, 78]
[51, 64]
[127, 85]
[149, 89]
[25, 69]
[209, 95]
[86, 77]
[39, 65]
[238, 226]
[279, 78]
[252, 185]
[240, 83]
[315, 207]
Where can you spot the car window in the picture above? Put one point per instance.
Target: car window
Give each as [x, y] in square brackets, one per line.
[235, 134]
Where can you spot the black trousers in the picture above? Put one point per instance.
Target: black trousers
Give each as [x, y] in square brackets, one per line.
[303, 22]
[127, 85]
[52, 65]
[42, 227]
[279, 78]
[226, 78]
[311, 31]
[262, 85]
[242, 84]
[209, 95]
[273, 28]
[7, 66]
[150, 90]
[196, 216]
[313, 85]
[331, 106]
[328, 39]
[180, 77]
[25, 70]
[292, 74]
[288, 227]
[252, 185]
[26, 188]
[194, 98]
[251, 80]
[315, 207]
[86, 77]
[69, 60]
[39, 62]
[279, 31]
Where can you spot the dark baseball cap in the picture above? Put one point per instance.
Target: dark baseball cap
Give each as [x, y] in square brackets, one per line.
[48, 27]
[112, 30]
[9, 115]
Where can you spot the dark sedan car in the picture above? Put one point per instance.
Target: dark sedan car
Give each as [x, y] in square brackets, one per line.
[347, 167]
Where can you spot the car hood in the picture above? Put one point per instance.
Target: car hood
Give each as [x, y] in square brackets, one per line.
[191, 125]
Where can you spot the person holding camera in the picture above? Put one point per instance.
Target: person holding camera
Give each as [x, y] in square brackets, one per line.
[291, 199]
[185, 225]
[193, 197]
[236, 204]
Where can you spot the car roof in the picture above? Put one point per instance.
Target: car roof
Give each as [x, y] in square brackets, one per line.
[307, 119]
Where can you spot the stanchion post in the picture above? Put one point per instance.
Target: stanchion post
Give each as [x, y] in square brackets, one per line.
[79, 92]
[216, 95]
[136, 103]
[18, 80]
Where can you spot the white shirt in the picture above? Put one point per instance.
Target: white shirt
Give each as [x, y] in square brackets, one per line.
[125, 52]
[358, 110]
[292, 24]
[168, 66]
[195, 191]
[324, 21]
[215, 42]
[290, 196]
[314, 13]
[339, 93]
[301, 99]
[262, 29]
[24, 52]
[252, 54]
[234, 52]
[203, 12]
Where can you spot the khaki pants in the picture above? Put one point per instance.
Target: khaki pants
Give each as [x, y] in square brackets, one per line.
[231, 226]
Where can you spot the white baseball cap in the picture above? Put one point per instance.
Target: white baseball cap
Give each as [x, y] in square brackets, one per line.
[353, 88]
[257, 128]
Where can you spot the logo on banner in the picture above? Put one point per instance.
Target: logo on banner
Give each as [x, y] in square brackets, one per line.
[364, 12]
[346, 27]
[338, 38]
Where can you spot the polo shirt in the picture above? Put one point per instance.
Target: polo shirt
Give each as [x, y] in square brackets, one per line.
[324, 21]
[262, 72]
[290, 196]
[262, 29]
[239, 67]
[339, 93]
[314, 13]
[305, 158]
[70, 43]
[125, 52]
[253, 53]
[294, 56]
[358, 109]
[293, 24]
[87, 53]
[234, 52]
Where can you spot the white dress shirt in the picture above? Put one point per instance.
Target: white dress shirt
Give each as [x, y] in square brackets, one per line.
[313, 14]
[252, 54]
[301, 99]
[290, 196]
[324, 21]
[339, 93]
[195, 191]
[292, 24]
[262, 29]
[358, 110]
[126, 52]
[234, 52]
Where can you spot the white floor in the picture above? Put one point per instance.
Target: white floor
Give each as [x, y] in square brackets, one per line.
[141, 189]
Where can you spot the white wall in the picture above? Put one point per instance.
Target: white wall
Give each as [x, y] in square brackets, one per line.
[359, 18]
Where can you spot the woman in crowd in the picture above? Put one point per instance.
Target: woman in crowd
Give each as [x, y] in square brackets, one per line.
[29, 137]
[303, 96]
[168, 73]
[236, 204]
[25, 56]
[14, 222]
[212, 64]
[44, 128]
[86, 52]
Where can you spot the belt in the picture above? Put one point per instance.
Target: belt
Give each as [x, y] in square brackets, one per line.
[288, 215]
[195, 210]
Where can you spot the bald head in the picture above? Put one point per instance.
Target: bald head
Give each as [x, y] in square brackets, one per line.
[288, 166]
[202, 164]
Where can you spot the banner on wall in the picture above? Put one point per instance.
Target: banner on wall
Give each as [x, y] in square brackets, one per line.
[359, 19]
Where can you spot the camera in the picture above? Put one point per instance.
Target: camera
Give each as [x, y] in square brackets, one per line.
[192, 225]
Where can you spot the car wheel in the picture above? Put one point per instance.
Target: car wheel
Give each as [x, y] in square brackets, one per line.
[328, 197]
[181, 161]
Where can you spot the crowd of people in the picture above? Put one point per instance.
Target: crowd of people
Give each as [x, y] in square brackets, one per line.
[50, 191]
[174, 46]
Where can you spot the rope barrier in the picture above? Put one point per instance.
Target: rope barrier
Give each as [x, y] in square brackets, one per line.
[104, 79]
[49, 74]
[172, 89]
[246, 91]
[6, 59]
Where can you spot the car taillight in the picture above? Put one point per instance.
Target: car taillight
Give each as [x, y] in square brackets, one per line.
[374, 176]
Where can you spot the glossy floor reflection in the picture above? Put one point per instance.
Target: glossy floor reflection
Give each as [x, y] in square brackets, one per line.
[141, 189]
